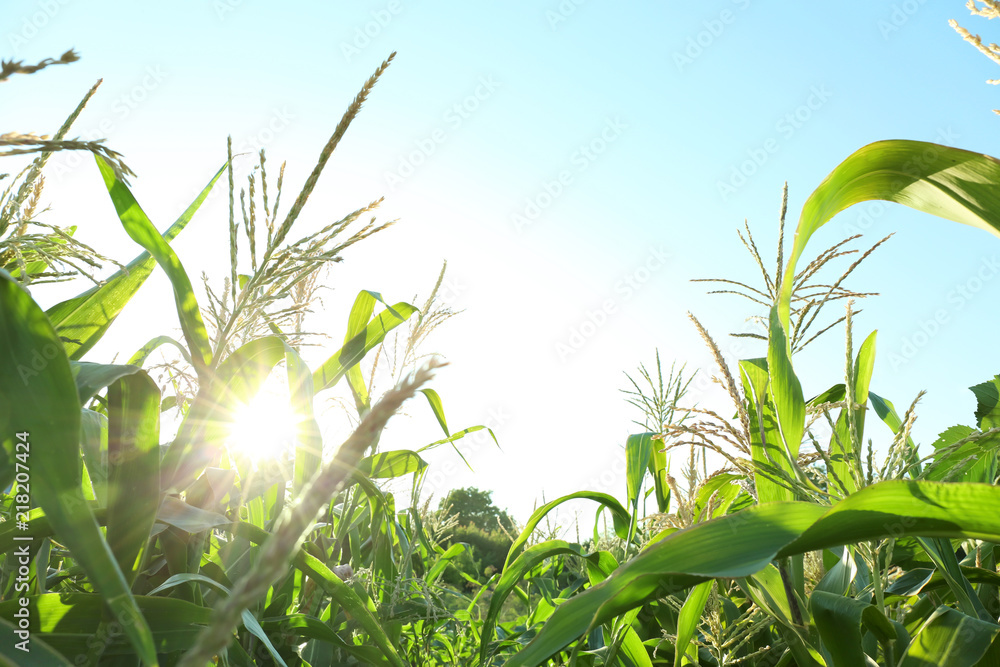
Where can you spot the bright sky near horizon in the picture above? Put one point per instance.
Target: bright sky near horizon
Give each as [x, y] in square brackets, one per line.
[576, 162]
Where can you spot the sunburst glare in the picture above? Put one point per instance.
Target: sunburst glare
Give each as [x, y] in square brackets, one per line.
[264, 429]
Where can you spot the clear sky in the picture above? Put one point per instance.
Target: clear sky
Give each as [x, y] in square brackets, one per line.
[577, 163]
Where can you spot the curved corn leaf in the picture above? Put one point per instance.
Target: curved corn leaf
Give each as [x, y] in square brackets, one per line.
[142, 231]
[92, 378]
[947, 182]
[355, 349]
[177, 513]
[838, 578]
[739, 545]
[438, 408]
[387, 465]
[511, 576]
[84, 319]
[622, 519]
[453, 552]
[361, 313]
[949, 638]
[139, 358]
[41, 402]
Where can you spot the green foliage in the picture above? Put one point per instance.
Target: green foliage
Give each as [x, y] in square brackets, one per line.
[488, 548]
[475, 507]
[121, 549]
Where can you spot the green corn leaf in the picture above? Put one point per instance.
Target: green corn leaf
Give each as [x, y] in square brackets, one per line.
[361, 313]
[622, 519]
[658, 468]
[947, 182]
[842, 447]
[249, 621]
[513, 572]
[838, 578]
[43, 404]
[638, 452]
[133, 467]
[453, 552]
[94, 441]
[687, 623]
[722, 488]
[387, 465]
[73, 625]
[740, 545]
[840, 621]
[177, 513]
[355, 350]
[784, 390]
[92, 378]
[139, 358]
[766, 448]
[438, 408]
[950, 638]
[331, 584]
[19, 649]
[142, 231]
[943, 556]
[84, 319]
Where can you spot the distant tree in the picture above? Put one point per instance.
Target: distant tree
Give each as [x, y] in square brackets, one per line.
[475, 507]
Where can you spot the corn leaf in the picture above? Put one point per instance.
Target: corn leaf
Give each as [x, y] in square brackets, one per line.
[739, 545]
[41, 402]
[142, 231]
[84, 319]
[947, 182]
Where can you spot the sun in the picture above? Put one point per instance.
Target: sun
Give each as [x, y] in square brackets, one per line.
[264, 429]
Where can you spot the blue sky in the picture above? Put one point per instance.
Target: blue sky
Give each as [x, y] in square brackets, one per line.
[577, 163]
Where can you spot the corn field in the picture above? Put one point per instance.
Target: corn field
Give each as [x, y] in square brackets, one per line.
[133, 533]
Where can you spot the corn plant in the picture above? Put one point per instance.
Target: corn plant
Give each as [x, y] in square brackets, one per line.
[126, 551]
[846, 562]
